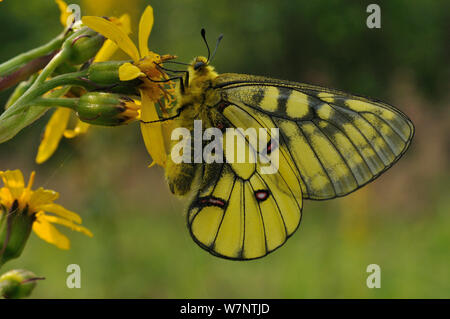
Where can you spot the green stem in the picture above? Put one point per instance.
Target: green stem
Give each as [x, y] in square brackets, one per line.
[71, 103]
[72, 79]
[37, 88]
[25, 71]
[23, 58]
[59, 58]
[20, 90]
[12, 125]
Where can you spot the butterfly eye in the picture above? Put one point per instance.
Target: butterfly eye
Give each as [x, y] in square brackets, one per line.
[198, 65]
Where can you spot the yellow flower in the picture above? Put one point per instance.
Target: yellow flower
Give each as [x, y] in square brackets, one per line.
[58, 123]
[16, 198]
[63, 10]
[143, 67]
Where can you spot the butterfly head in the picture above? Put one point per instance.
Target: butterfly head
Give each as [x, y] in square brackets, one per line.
[199, 83]
[200, 70]
[199, 63]
[200, 66]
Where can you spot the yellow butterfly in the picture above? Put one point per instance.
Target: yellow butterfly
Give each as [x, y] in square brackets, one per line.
[330, 144]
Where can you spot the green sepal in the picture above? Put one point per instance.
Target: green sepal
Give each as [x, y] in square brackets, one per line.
[106, 109]
[15, 228]
[17, 283]
[105, 73]
[83, 45]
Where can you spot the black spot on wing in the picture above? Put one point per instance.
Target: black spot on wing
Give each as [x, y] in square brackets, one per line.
[258, 96]
[314, 104]
[283, 97]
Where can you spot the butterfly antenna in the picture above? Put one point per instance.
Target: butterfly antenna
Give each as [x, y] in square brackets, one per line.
[203, 33]
[217, 45]
[176, 62]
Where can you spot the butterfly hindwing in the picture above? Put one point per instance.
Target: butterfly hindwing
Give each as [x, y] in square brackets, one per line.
[338, 142]
[241, 213]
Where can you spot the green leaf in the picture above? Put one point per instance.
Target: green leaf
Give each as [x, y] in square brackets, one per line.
[13, 124]
[12, 121]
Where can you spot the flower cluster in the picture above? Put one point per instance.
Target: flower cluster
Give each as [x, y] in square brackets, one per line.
[75, 77]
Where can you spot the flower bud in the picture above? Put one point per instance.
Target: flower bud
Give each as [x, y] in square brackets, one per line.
[83, 45]
[17, 283]
[106, 74]
[106, 109]
[15, 228]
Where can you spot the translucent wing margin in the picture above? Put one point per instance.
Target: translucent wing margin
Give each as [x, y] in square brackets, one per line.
[337, 142]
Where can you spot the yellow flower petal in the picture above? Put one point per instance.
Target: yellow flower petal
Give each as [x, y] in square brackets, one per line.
[6, 198]
[128, 71]
[124, 23]
[152, 133]
[13, 181]
[80, 128]
[67, 223]
[106, 51]
[41, 197]
[49, 233]
[53, 134]
[62, 212]
[109, 47]
[114, 33]
[145, 27]
[63, 10]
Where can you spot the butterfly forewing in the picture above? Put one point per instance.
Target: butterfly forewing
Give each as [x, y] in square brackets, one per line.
[337, 142]
[329, 143]
[245, 216]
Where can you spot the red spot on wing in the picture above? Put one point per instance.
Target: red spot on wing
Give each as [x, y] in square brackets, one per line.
[262, 195]
[211, 201]
[222, 105]
[272, 145]
[269, 148]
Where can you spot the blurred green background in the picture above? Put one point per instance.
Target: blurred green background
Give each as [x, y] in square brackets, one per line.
[141, 247]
